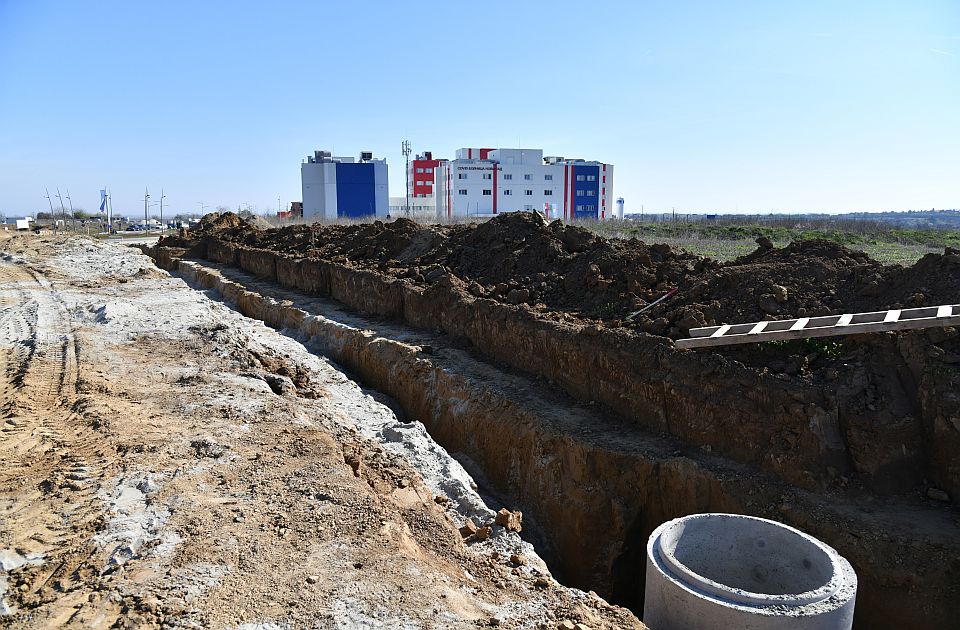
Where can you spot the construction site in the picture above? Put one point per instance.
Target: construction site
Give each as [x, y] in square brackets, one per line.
[401, 425]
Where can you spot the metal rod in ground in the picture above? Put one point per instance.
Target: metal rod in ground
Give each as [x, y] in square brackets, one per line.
[652, 304]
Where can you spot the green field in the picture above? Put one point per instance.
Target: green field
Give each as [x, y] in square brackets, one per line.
[725, 241]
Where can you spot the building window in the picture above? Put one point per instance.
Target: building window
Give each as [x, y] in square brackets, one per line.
[508, 192]
[579, 208]
[429, 170]
[508, 175]
[419, 170]
[526, 176]
[591, 208]
[547, 193]
[591, 193]
[591, 178]
[487, 191]
[548, 177]
[462, 191]
[581, 178]
[528, 192]
[488, 175]
[580, 193]
[461, 175]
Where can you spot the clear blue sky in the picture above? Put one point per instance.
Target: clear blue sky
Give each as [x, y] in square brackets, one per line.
[703, 106]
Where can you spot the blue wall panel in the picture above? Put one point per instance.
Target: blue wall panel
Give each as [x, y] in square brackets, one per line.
[582, 199]
[356, 190]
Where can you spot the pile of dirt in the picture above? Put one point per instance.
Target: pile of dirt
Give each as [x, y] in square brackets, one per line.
[520, 258]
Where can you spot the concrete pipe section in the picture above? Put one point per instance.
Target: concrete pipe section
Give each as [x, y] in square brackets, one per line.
[732, 571]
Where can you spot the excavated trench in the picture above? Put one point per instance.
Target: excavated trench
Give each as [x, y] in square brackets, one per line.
[593, 481]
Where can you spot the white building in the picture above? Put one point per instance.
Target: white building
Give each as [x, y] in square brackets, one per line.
[484, 182]
[341, 187]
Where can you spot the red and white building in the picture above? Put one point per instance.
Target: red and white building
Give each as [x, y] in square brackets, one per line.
[420, 175]
[485, 182]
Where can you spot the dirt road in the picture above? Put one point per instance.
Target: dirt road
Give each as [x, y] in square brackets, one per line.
[166, 462]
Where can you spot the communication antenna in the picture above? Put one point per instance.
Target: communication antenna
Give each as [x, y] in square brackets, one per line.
[405, 148]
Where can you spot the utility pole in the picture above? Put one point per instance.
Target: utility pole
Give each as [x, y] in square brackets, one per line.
[146, 199]
[162, 197]
[405, 148]
[202, 206]
[50, 202]
[63, 211]
[73, 219]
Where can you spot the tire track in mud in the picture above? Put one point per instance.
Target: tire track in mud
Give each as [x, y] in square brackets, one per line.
[49, 508]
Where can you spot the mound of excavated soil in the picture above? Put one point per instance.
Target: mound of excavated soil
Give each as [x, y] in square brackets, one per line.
[520, 258]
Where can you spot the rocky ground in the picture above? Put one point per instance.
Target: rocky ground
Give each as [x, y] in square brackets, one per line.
[166, 462]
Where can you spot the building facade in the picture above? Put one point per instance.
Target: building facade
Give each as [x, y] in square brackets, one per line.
[485, 182]
[342, 187]
[421, 175]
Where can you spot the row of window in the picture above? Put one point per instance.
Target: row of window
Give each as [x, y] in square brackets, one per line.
[425, 170]
[548, 177]
[587, 193]
[586, 178]
[587, 208]
[487, 191]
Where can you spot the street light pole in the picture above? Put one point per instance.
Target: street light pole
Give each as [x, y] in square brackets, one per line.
[162, 197]
[63, 211]
[146, 198]
[73, 219]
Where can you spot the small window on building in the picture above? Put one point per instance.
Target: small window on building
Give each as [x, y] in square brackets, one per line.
[419, 170]
[579, 208]
[547, 193]
[591, 193]
[548, 177]
[462, 191]
[581, 178]
[580, 193]
[591, 178]
[508, 175]
[526, 176]
[591, 208]
[508, 192]
[461, 175]
[487, 191]
[528, 192]
[429, 170]
[488, 175]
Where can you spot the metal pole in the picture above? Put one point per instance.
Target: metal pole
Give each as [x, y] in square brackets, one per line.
[63, 211]
[406, 154]
[73, 219]
[162, 196]
[146, 198]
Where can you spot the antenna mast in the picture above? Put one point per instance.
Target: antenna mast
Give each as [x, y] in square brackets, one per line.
[405, 148]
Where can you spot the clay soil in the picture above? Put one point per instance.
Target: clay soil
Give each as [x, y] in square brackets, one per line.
[566, 272]
[166, 462]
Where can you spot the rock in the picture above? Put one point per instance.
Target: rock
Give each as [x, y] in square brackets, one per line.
[476, 289]
[279, 384]
[768, 304]
[518, 559]
[780, 293]
[764, 242]
[483, 533]
[469, 529]
[512, 521]
[434, 274]
[566, 624]
[313, 579]
[541, 582]
[872, 289]
[938, 495]
[518, 296]
[494, 622]
[581, 626]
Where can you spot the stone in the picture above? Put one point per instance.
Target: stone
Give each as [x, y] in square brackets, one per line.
[313, 579]
[541, 582]
[580, 626]
[764, 242]
[780, 293]
[938, 495]
[469, 529]
[566, 624]
[512, 521]
[483, 533]
[518, 296]
[518, 559]
[768, 304]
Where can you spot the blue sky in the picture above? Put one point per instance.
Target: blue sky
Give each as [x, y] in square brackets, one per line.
[701, 106]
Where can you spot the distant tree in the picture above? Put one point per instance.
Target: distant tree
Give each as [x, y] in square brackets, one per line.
[222, 209]
[43, 216]
[80, 213]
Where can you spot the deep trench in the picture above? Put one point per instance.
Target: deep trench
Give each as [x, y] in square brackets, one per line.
[592, 485]
[623, 585]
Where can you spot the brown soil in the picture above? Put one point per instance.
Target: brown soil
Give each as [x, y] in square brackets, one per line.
[163, 463]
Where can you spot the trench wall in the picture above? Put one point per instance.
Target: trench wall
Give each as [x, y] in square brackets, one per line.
[808, 435]
[598, 500]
